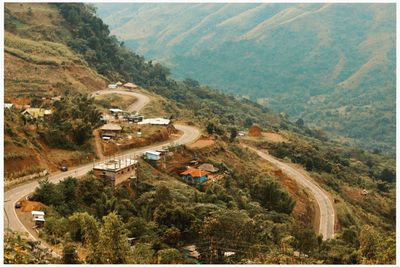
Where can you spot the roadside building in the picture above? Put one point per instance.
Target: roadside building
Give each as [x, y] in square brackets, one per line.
[130, 86]
[8, 105]
[152, 155]
[118, 84]
[208, 167]
[36, 113]
[114, 172]
[135, 118]
[155, 121]
[116, 111]
[194, 176]
[38, 218]
[110, 130]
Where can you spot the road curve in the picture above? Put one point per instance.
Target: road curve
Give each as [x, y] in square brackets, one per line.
[13, 195]
[326, 208]
[141, 99]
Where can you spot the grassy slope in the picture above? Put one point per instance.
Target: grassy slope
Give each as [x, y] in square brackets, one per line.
[36, 59]
[313, 61]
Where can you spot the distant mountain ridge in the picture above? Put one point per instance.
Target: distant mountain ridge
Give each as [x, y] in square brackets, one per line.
[331, 64]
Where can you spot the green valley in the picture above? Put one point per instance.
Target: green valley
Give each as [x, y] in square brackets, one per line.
[332, 65]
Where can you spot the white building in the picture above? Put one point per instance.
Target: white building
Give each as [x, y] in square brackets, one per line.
[152, 155]
[155, 121]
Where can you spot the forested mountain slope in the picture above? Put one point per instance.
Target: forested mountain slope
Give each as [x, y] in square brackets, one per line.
[252, 208]
[331, 64]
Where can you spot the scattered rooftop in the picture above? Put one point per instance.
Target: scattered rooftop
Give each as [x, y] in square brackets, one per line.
[194, 172]
[111, 127]
[115, 110]
[157, 153]
[115, 165]
[208, 167]
[130, 85]
[155, 121]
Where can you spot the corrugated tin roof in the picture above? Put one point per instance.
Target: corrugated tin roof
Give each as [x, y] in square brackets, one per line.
[194, 172]
[153, 152]
[111, 127]
[130, 85]
[115, 165]
[155, 121]
[208, 167]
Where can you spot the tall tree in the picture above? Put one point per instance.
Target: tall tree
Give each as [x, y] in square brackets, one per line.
[70, 255]
[113, 246]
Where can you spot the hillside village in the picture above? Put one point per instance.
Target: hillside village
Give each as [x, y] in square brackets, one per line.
[114, 164]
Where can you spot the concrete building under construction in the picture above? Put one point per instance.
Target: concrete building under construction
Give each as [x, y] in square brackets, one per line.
[116, 171]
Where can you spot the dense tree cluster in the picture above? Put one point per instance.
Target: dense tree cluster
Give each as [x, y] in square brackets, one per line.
[19, 249]
[71, 124]
[246, 214]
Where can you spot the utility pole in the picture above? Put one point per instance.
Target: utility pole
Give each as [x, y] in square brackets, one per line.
[211, 250]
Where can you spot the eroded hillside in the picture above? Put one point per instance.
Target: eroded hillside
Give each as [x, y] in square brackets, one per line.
[37, 60]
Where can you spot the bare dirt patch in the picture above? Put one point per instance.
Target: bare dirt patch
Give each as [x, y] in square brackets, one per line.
[28, 206]
[255, 131]
[150, 135]
[305, 209]
[353, 193]
[274, 137]
[116, 100]
[203, 142]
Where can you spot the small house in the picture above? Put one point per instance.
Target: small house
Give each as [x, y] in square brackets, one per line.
[155, 121]
[130, 86]
[112, 86]
[118, 84]
[8, 105]
[115, 111]
[116, 171]
[152, 155]
[193, 175]
[36, 113]
[38, 218]
[110, 130]
[37, 213]
[135, 118]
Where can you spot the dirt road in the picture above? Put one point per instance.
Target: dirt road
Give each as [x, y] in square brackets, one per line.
[141, 99]
[326, 207]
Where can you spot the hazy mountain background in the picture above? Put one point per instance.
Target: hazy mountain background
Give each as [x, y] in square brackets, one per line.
[331, 64]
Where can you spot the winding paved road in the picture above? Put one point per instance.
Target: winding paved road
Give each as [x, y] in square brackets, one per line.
[13, 195]
[326, 208]
[141, 99]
